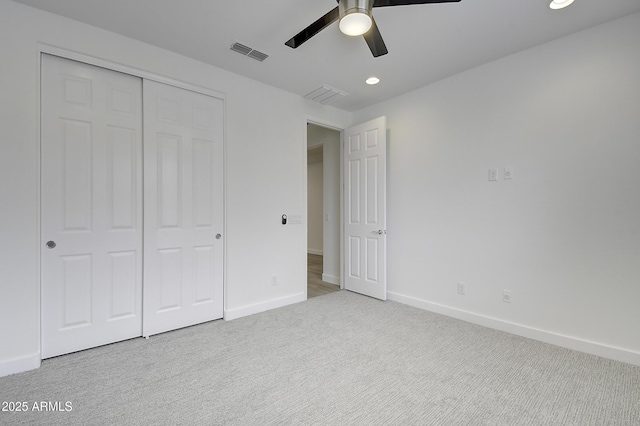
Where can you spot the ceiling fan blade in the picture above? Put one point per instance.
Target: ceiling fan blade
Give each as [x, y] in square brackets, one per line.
[384, 3]
[375, 41]
[313, 29]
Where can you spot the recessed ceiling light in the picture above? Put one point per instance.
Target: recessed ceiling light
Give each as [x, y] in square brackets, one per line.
[559, 4]
[373, 80]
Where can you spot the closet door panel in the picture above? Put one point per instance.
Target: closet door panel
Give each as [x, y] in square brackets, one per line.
[183, 146]
[91, 204]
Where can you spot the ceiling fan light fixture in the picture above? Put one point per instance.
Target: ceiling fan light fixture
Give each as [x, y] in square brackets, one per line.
[559, 4]
[355, 23]
[355, 16]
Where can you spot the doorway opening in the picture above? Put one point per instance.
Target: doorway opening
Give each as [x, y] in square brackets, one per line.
[323, 210]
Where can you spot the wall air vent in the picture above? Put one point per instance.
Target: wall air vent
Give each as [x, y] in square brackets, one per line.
[325, 95]
[248, 51]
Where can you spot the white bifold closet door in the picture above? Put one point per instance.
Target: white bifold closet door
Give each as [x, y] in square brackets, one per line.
[91, 201]
[183, 214]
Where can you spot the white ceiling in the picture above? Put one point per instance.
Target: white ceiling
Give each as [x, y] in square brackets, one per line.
[426, 42]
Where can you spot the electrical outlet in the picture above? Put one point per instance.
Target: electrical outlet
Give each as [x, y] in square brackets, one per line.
[493, 175]
[274, 280]
[506, 296]
[462, 288]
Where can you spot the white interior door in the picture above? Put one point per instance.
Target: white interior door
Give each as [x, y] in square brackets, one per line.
[91, 222]
[183, 217]
[365, 229]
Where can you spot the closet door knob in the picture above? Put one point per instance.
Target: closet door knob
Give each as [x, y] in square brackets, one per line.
[218, 236]
[51, 244]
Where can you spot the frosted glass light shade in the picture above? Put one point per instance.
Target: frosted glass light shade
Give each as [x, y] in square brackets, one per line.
[355, 24]
[559, 4]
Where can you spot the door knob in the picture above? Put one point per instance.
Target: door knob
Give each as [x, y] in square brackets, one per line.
[218, 236]
[51, 244]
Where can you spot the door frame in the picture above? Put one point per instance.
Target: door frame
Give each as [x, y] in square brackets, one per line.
[339, 128]
[44, 48]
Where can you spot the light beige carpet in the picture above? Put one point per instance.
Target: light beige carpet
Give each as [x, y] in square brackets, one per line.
[340, 359]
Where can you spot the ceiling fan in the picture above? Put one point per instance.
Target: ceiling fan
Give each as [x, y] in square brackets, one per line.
[356, 19]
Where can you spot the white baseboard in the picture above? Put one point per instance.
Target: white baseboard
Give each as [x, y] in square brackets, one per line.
[569, 342]
[314, 251]
[231, 314]
[331, 279]
[19, 365]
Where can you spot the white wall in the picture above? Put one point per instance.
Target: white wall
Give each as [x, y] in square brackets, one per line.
[265, 157]
[314, 201]
[332, 214]
[564, 234]
[330, 141]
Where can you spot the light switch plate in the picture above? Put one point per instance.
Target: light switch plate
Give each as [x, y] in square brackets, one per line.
[295, 219]
[508, 173]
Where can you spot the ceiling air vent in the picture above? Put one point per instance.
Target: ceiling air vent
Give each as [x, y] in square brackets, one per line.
[248, 51]
[325, 95]
[258, 55]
